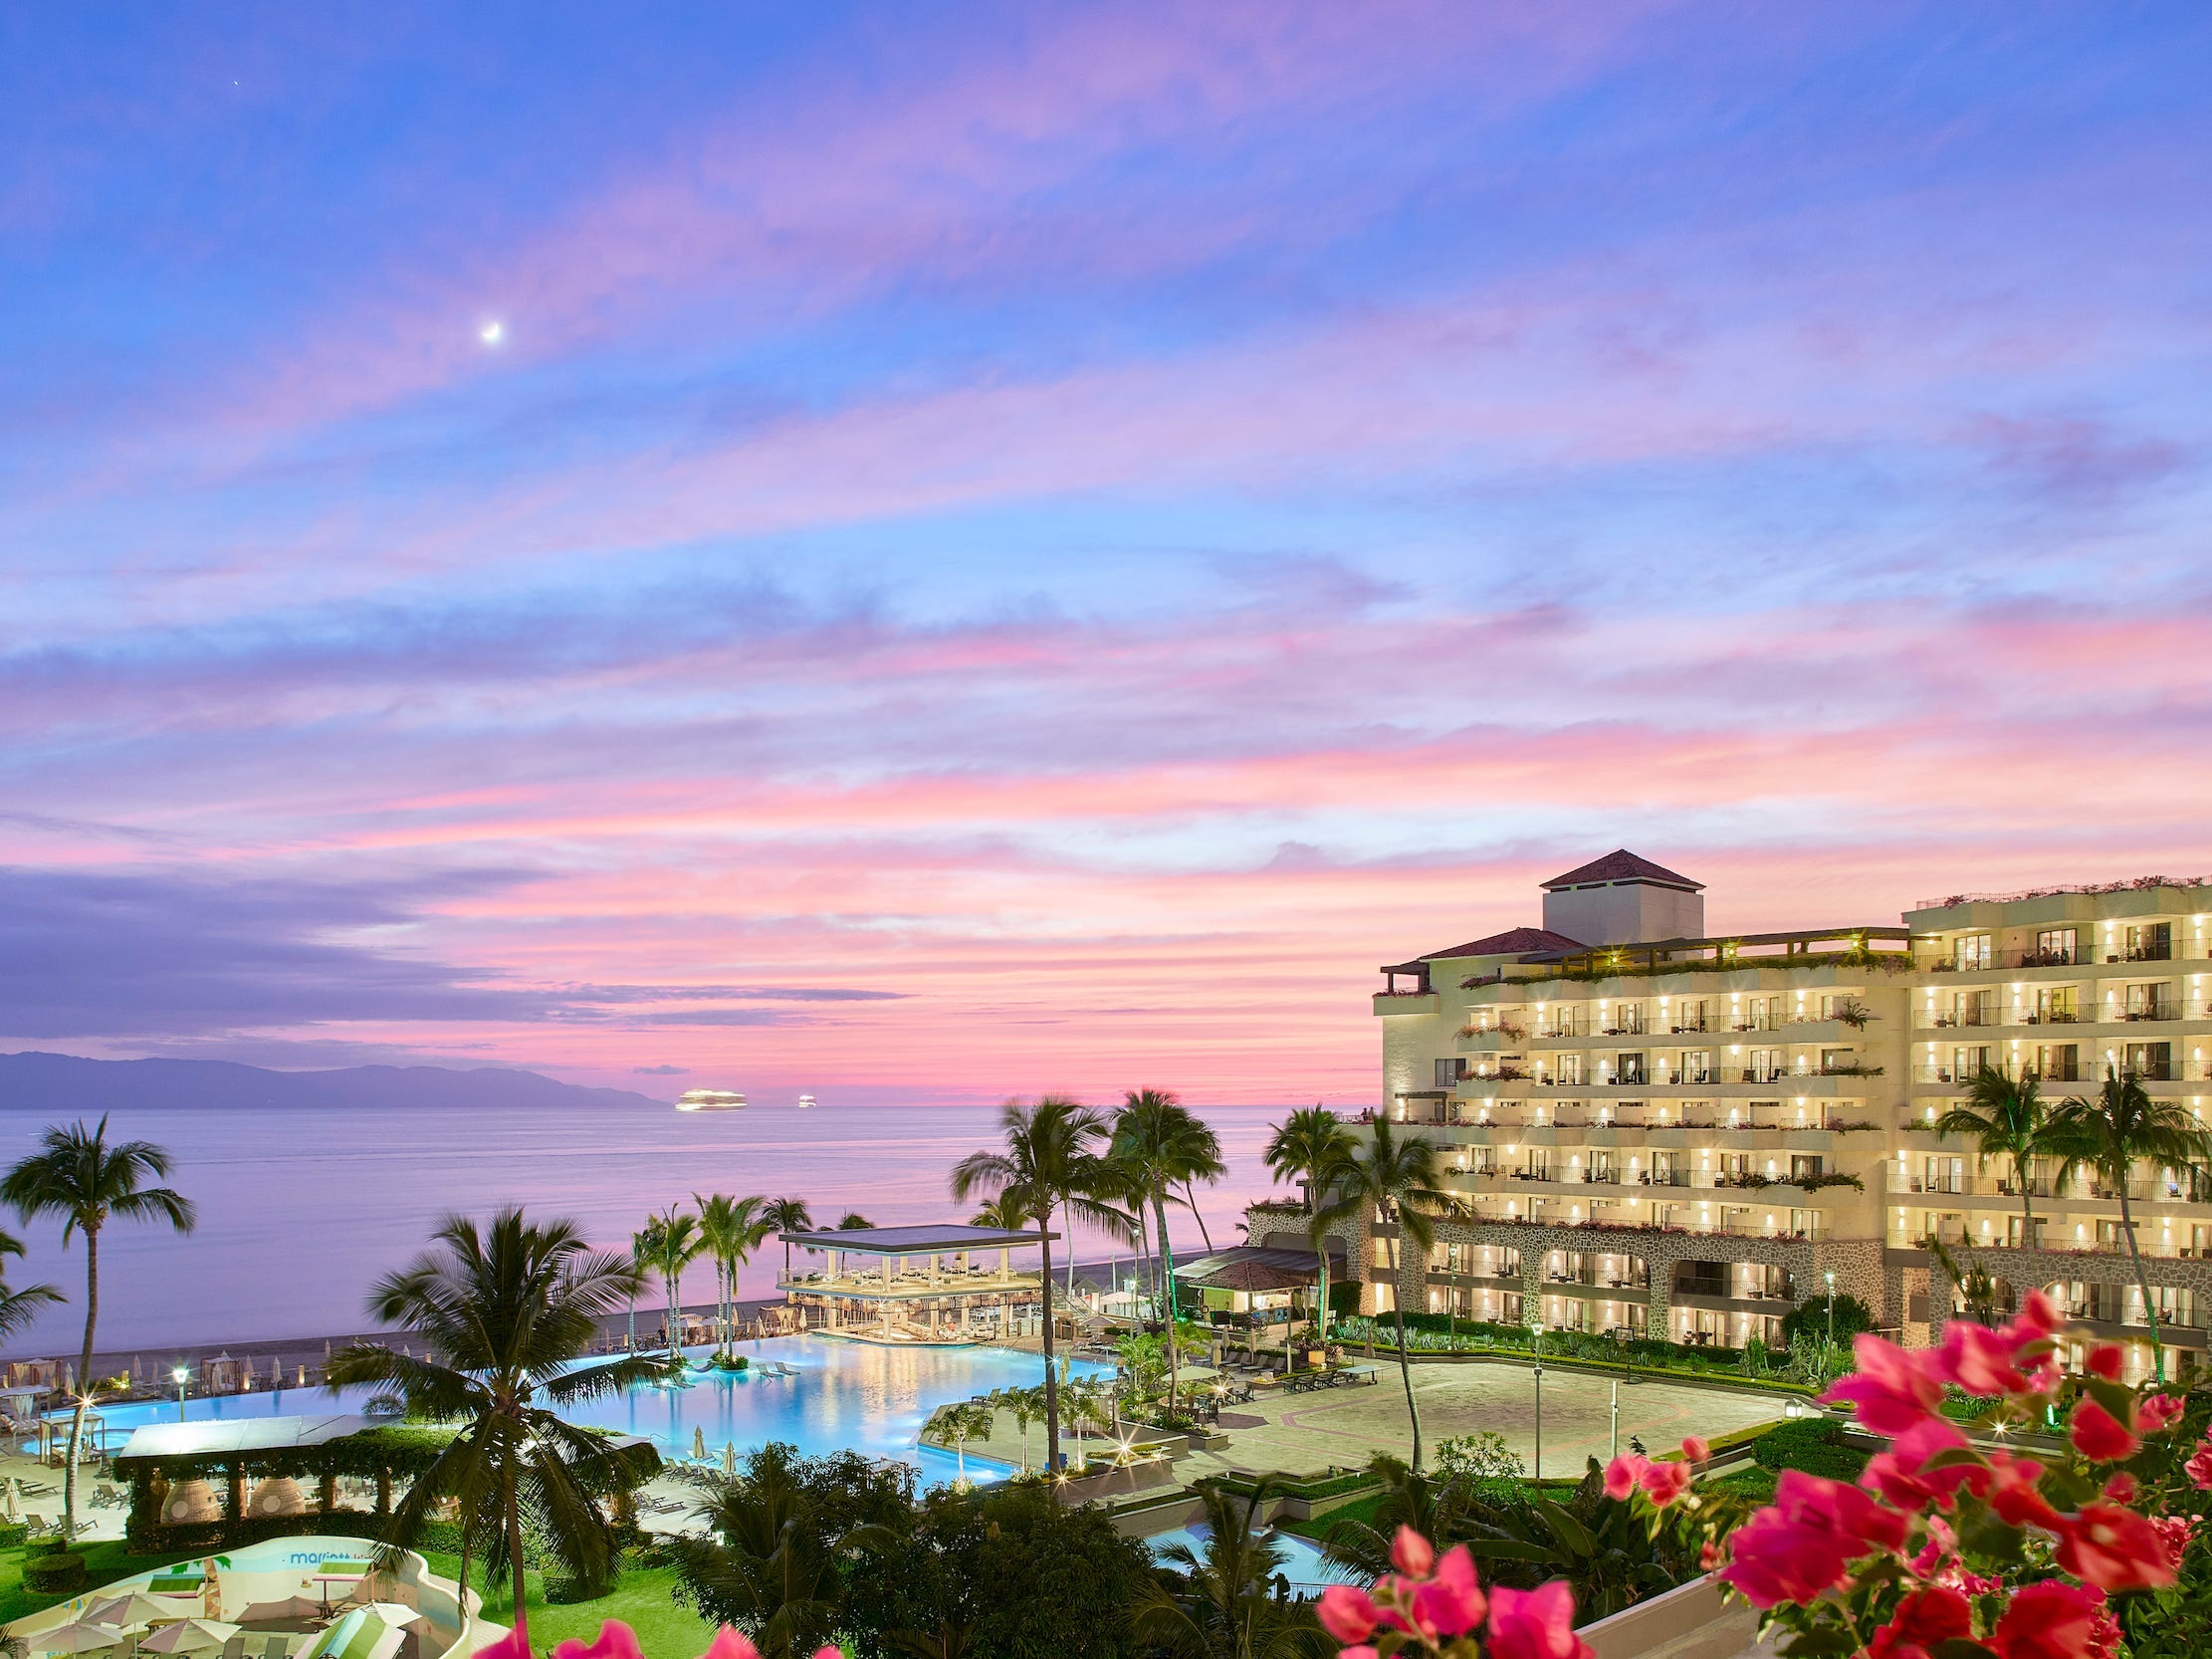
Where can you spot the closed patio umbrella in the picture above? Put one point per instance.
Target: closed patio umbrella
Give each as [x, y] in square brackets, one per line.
[730, 1457]
[189, 1636]
[699, 1444]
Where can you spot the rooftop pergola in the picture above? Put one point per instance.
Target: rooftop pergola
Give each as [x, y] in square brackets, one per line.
[928, 1271]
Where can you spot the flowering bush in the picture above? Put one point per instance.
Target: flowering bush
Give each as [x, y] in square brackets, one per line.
[1433, 1606]
[1945, 1550]
[618, 1641]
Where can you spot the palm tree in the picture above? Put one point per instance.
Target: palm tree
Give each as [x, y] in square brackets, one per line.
[1051, 1166]
[2110, 1135]
[1441, 1510]
[1005, 1213]
[1395, 1181]
[1026, 1406]
[787, 1215]
[508, 1310]
[729, 1231]
[1157, 1144]
[642, 1251]
[1224, 1608]
[852, 1221]
[1313, 1146]
[2007, 1118]
[961, 1422]
[76, 1175]
[672, 1243]
[19, 1307]
[767, 1568]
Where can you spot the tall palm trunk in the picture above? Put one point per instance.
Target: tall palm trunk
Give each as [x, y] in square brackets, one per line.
[675, 1322]
[1052, 1378]
[513, 1542]
[1190, 1197]
[2136, 1257]
[1166, 1264]
[1405, 1365]
[1321, 1272]
[2023, 1169]
[83, 1400]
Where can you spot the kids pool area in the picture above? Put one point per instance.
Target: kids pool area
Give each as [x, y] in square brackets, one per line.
[845, 1395]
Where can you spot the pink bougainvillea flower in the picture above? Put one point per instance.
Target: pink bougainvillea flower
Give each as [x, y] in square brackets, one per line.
[2199, 1466]
[1663, 1483]
[1923, 1618]
[2099, 1436]
[615, 1640]
[2104, 1360]
[2038, 1316]
[1535, 1624]
[735, 1644]
[516, 1643]
[1942, 1543]
[2157, 1413]
[825, 1651]
[1348, 1614]
[1980, 1360]
[1901, 1476]
[2013, 1493]
[1806, 1540]
[1451, 1604]
[1695, 1448]
[1892, 1388]
[2055, 1620]
[1622, 1475]
[1411, 1553]
[2115, 1549]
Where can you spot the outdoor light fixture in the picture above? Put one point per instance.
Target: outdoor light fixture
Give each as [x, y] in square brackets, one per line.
[183, 1375]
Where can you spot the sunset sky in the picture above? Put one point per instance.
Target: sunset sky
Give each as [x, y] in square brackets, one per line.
[932, 553]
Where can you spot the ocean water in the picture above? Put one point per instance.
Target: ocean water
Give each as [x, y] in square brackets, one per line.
[299, 1212]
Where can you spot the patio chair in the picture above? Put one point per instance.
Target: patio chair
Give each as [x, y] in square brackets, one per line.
[235, 1648]
[277, 1648]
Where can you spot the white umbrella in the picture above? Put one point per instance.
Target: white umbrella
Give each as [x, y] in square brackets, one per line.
[129, 1608]
[189, 1636]
[78, 1638]
[728, 1457]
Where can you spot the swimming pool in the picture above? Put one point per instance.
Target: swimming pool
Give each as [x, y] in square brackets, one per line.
[847, 1395]
[1309, 1576]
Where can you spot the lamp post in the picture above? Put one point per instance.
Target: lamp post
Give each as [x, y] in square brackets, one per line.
[1831, 1276]
[1539, 1422]
[1615, 1416]
[181, 1376]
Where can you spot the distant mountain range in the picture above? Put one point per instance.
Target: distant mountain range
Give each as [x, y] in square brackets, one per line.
[67, 1085]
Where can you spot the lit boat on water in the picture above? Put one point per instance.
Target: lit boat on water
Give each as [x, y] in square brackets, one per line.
[709, 1099]
[806, 1103]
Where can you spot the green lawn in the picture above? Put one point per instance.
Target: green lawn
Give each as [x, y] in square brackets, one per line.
[104, 1562]
[643, 1600]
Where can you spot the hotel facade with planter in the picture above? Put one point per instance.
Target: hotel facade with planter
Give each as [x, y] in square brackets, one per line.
[1653, 1130]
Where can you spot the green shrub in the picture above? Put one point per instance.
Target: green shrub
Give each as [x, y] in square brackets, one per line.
[13, 1533]
[1812, 1445]
[61, 1572]
[1810, 1319]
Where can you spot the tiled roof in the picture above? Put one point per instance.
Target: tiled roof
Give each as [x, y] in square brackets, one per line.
[1515, 941]
[1621, 865]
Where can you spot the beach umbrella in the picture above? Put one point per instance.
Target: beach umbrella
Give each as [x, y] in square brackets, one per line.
[78, 1638]
[699, 1444]
[11, 1499]
[132, 1607]
[730, 1457]
[189, 1636]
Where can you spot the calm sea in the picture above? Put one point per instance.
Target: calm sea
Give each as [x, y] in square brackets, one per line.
[300, 1212]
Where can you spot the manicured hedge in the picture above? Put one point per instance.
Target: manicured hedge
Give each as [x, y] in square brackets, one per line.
[1814, 1446]
[60, 1573]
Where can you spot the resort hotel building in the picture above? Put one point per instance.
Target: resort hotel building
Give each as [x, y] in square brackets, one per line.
[1654, 1130]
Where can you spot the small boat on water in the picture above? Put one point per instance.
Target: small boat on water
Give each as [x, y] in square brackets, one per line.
[709, 1099]
[806, 1103]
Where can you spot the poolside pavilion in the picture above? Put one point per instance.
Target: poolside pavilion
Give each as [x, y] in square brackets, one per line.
[940, 1283]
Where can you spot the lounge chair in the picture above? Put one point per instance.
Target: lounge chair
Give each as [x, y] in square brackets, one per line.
[277, 1649]
[235, 1648]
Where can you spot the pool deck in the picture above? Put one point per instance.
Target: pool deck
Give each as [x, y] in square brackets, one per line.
[1344, 1427]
